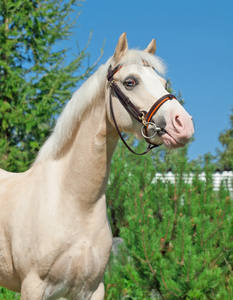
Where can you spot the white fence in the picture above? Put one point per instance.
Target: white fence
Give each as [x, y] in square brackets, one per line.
[226, 177]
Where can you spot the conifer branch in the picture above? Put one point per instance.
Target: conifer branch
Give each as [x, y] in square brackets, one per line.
[146, 255]
[163, 240]
[188, 268]
[213, 263]
[202, 233]
[228, 265]
[175, 198]
[142, 260]
[134, 280]
[212, 234]
[182, 246]
[166, 287]
[143, 237]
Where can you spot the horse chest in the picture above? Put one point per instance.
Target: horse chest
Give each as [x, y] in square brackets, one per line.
[79, 270]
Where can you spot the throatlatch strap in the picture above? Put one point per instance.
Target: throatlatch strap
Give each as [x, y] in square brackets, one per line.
[125, 101]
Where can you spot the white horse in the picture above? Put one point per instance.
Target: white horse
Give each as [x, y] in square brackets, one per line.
[55, 238]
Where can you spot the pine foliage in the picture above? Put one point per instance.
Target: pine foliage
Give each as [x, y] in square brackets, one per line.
[178, 238]
[35, 78]
[226, 139]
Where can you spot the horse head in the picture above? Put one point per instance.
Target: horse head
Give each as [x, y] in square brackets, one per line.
[140, 102]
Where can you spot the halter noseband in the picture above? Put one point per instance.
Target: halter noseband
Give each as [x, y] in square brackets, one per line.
[145, 118]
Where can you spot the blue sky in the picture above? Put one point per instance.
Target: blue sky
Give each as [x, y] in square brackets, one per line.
[195, 38]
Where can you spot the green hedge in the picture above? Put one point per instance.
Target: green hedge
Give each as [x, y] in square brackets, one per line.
[178, 238]
[8, 295]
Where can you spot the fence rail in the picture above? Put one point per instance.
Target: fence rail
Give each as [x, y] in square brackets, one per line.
[225, 177]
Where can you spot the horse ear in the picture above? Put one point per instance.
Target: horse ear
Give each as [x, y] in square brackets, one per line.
[151, 48]
[121, 48]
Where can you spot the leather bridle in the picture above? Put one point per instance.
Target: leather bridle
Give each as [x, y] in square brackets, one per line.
[145, 118]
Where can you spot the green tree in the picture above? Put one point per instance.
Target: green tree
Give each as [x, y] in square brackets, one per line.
[178, 236]
[226, 139]
[35, 80]
[8, 295]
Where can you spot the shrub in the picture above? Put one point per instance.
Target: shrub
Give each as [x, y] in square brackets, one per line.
[178, 238]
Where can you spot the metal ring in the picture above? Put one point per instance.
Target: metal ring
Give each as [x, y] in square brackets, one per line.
[155, 128]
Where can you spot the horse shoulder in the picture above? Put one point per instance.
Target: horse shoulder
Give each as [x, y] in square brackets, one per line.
[5, 174]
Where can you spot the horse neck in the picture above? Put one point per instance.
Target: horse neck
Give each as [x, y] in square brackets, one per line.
[85, 164]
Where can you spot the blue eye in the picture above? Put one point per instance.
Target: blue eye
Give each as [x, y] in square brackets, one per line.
[129, 83]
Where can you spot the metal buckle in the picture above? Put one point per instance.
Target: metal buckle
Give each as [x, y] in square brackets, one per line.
[157, 129]
[111, 82]
[142, 118]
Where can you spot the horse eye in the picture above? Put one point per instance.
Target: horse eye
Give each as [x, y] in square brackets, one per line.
[130, 83]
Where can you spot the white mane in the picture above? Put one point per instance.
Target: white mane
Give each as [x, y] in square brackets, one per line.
[84, 97]
[139, 57]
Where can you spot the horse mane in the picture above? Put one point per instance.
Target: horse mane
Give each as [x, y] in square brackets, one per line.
[84, 97]
[140, 57]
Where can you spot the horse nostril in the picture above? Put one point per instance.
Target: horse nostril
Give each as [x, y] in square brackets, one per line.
[178, 122]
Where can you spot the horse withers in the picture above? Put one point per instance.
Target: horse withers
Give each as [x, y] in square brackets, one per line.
[55, 237]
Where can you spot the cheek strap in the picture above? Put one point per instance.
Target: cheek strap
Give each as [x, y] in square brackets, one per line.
[150, 146]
